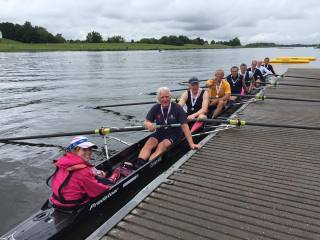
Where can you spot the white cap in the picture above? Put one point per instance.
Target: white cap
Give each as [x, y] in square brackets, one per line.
[82, 142]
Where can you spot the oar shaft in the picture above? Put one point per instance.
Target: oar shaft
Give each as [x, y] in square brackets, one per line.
[282, 126]
[202, 80]
[296, 85]
[295, 99]
[171, 90]
[125, 104]
[262, 97]
[48, 136]
[301, 77]
[173, 99]
[99, 131]
[238, 122]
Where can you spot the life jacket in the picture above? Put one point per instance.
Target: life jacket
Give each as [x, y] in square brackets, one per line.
[73, 182]
[60, 196]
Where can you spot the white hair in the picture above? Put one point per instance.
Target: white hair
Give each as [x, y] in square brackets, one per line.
[162, 89]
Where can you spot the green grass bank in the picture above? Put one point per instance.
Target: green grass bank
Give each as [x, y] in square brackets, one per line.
[13, 46]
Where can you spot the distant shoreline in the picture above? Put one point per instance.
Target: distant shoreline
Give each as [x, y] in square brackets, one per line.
[12, 46]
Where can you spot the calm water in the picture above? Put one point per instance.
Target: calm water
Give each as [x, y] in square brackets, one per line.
[44, 93]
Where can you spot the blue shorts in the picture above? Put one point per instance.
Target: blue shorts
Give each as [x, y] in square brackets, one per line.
[161, 137]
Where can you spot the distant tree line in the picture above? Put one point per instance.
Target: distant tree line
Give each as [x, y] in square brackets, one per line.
[233, 42]
[174, 40]
[261, 44]
[95, 37]
[180, 40]
[28, 34]
[35, 34]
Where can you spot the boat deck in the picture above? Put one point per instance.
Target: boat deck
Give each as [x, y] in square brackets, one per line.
[245, 183]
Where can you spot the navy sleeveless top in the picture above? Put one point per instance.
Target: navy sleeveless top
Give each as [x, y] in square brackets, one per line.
[198, 104]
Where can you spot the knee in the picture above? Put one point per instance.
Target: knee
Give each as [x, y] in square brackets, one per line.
[220, 103]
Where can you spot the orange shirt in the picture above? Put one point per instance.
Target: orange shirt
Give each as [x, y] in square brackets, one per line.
[221, 90]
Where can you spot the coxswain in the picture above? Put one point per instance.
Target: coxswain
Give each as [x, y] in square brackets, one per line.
[76, 180]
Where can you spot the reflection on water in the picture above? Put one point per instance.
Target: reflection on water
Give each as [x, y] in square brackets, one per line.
[57, 91]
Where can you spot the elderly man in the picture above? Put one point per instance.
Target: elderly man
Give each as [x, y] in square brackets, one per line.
[196, 100]
[263, 69]
[219, 93]
[236, 81]
[268, 65]
[248, 78]
[163, 113]
[257, 75]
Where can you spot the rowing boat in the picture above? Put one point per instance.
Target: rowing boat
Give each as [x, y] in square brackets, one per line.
[285, 60]
[54, 223]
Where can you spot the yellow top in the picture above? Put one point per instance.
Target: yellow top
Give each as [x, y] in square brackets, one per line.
[222, 89]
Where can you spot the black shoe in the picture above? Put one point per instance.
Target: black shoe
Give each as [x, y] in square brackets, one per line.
[138, 162]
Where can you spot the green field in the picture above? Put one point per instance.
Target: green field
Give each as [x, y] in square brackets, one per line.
[13, 46]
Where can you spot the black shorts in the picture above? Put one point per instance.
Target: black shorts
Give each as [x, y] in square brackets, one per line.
[161, 137]
[211, 110]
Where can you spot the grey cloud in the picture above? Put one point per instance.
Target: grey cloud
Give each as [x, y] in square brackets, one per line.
[280, 21]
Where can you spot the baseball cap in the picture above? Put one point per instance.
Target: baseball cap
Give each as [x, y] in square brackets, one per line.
[82, 142]
[193, 80]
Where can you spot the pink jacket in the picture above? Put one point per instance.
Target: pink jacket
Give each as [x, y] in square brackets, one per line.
[81, 186]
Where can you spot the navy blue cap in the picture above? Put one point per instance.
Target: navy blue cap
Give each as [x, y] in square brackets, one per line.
[193, 80]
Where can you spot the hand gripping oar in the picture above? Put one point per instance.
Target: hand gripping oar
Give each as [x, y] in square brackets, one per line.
[99, 131]
[238, 122]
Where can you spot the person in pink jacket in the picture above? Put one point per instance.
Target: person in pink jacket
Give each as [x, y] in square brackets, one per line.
[75, 181]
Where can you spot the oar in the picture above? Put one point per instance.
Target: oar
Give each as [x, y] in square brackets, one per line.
[269, 83]
[99, 131]
[301, 77]
[202, 80]
[238, 122]
[294, 85]
[125, 104]
[263, 97]
[173, 99]
[174, 90]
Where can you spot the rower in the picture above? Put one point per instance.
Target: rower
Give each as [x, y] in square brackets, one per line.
[257, 75]
[248, 78]
[163, 113]
[236, 82]
[197, 101]
[268, 65]
[219, 93]
[263, 69]
[75, 180]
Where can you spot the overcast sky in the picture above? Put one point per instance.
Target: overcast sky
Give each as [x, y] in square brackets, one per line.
[280, 21]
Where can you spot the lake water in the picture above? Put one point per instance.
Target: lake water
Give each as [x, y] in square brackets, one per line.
[51, 92]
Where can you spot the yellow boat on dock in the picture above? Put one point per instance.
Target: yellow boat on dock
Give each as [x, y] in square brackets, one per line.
[292, 59]
[289, 61]
[297, 58]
